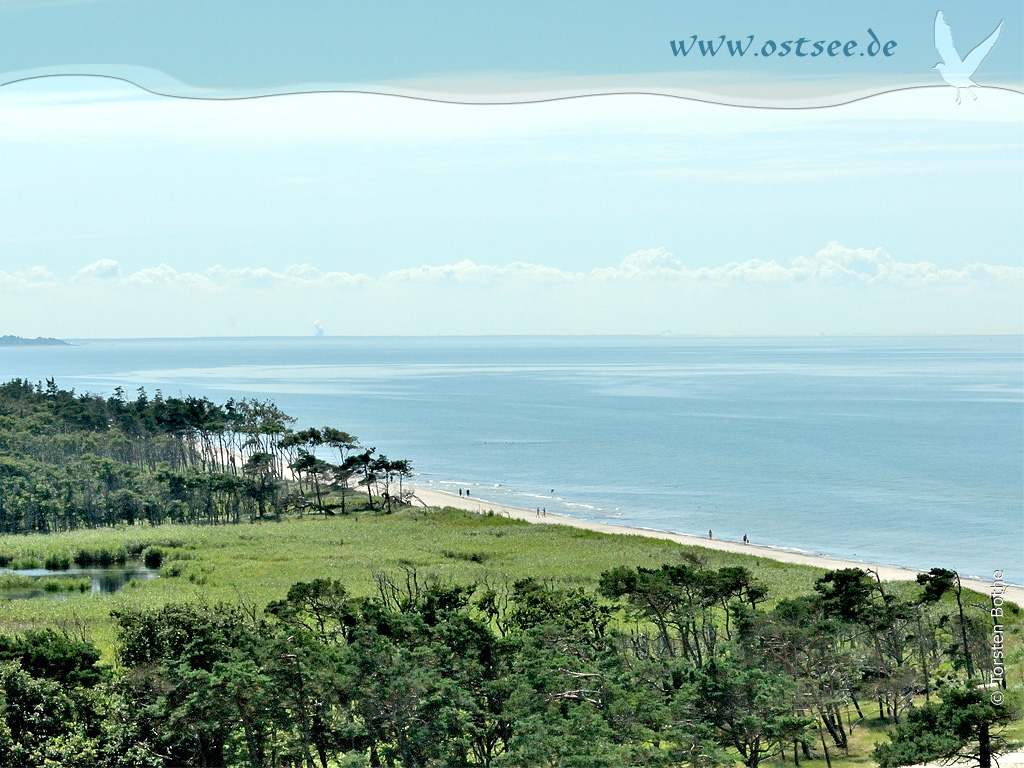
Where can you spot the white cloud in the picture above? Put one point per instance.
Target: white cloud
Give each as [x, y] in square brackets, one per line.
[104, 269]
[832, 265]
[296, 274]
[164, 275]
[217, 277]
[301, 272]
[835, 290]
[655, 262]
[34, 277]
[467, 271]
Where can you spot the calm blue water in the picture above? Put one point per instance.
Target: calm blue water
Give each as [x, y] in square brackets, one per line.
[897, 450]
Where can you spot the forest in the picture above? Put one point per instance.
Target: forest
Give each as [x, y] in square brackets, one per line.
[681, 663]
[72, 461]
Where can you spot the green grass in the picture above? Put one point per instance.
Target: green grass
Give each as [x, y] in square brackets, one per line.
[258, 563]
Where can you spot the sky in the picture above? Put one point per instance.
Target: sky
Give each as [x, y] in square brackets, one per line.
[128, 214]
[238, 44]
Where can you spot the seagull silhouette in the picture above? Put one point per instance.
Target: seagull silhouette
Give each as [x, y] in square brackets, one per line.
[954, 70]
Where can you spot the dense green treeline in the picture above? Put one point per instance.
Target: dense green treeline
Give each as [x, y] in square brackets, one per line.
[72, 461]
[681, 665]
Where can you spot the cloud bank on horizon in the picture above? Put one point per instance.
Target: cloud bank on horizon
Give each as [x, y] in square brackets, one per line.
[650, 291]
[133, 216]
[832, 264]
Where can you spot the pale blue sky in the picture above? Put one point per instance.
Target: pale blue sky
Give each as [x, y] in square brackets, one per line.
[244, 44]
[126, 214]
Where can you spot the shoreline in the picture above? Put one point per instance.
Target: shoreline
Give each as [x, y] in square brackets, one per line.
[428, 497]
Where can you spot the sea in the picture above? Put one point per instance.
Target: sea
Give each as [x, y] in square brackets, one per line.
[896, 450]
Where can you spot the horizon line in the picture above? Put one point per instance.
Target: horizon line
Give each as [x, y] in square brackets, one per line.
[662, 335]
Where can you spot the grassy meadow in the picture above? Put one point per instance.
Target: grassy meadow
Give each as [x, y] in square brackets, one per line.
[256, 564]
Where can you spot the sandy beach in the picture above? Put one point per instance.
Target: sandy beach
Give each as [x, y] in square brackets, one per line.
[432, 498]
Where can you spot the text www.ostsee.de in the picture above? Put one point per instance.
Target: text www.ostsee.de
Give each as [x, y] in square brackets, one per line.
[800, 48]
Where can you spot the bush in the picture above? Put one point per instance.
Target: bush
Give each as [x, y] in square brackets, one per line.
[103, 558]
[64, 584]
[57, 563]
[153, 557]
[469, 557]
[83, 558]
[134, 548]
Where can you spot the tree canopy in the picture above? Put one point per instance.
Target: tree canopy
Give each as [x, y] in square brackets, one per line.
[71, 461]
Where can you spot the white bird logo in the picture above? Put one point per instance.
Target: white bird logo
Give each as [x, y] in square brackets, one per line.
[954, 70]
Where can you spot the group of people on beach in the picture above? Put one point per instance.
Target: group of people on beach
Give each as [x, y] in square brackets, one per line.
[745, 539]
[543, 512]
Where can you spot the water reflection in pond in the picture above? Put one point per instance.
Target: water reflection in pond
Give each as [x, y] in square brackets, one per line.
[103, 580]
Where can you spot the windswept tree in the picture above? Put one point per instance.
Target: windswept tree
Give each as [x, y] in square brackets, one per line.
[263, 483]
[689, 606]
[388, 477]
[814, 649]
[342, 444]
[365, 465]
[750, 708]
[938, 582]
[964, 727]
[310, 467]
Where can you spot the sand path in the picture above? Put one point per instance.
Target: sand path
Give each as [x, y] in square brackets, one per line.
[432, 498]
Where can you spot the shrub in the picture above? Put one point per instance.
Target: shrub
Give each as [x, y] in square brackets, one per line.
[57, 563]
[103, 558]
[153, 557]
[134, 548]
[469, 557]
[84, 558]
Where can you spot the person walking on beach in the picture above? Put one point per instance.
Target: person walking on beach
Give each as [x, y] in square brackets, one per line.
[745, 539]
[709, 534]
[544, 512]
[460, 493]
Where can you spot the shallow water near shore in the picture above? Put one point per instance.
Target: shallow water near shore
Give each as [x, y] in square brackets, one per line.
[901, 450]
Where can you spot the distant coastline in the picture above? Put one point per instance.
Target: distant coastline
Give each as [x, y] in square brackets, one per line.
[39, 341]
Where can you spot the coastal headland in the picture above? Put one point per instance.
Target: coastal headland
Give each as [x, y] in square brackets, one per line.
[434, 498]
[39, 341]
